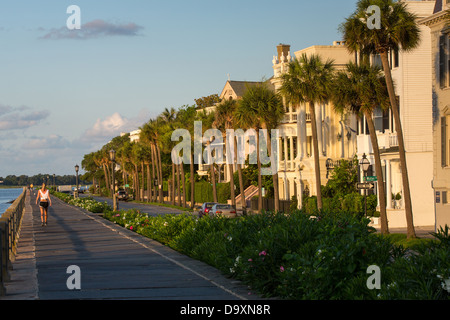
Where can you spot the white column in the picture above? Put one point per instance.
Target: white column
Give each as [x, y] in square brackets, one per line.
[286, 156]
[300, 188]
[318, 108]
[291, 153]
[301, 131]
[388, 185]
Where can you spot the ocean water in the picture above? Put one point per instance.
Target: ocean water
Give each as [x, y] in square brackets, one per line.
[8, 195]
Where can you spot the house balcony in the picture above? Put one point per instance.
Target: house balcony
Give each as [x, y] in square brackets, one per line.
[386, 141]
[294, 117]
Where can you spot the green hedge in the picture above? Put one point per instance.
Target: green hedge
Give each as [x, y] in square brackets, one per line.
[350, 203]
[204, 192]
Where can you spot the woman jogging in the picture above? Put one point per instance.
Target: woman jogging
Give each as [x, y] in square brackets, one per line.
[44, 203]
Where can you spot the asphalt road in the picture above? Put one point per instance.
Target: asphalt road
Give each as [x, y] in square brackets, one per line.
[152, 210]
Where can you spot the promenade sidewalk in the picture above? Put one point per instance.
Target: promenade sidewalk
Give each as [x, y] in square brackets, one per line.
[114, 263]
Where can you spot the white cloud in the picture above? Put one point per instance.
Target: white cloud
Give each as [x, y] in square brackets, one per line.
[50, 142]
[14, 118]
[105, 129]
[95, 29]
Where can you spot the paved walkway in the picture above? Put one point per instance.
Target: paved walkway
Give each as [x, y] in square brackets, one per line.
[114, 263]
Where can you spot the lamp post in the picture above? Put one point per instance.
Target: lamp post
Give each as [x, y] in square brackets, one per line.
[75, 194]
[365, 164]
[54, 184]
[112, 156]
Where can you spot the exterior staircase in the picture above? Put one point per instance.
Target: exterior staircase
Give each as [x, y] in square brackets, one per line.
[249, 193]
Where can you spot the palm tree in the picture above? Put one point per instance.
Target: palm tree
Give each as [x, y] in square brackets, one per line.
[399, 31]
[263, 109]
[308, 80]
[91, 168]
[186, 116]
[272, 112]
[225, 120]
[361, 89]
[207, 120]
[247, 116]
[150, 132]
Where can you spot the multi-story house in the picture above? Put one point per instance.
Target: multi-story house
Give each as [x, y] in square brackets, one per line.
[336, 132]
[411, 72]
[439, 26]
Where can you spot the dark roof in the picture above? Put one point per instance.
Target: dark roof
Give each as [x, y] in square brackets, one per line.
[240, 87]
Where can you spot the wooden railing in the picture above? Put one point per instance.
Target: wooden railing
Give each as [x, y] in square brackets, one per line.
[9, 231]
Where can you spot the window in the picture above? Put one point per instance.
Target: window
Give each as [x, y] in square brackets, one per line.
[394, 59]
[295, 147]
[378, 119]
[448, 63]
[445, 141]
[442, 60]
[444, 197]
[376, 61]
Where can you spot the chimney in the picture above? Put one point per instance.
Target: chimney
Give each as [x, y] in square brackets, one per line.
[283, 49]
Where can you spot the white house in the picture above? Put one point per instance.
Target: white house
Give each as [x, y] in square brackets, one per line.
[412, 74]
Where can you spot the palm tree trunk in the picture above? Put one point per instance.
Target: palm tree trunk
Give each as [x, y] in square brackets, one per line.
[149, 184]
[183, 183]
[143, 181]
[316, 155]
[241, 180]
[160, 187]
[108, 185]
[213, 175]
[231, 173]
[137, 189]
[153, 174]
[192, 181]
[258, 161]
[177, 168]
[378, 169]
[401, 146]
[273, 164]
[172, 187]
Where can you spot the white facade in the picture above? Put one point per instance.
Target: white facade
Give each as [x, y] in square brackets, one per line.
[412, 75]
[336, 133]
[439, 26]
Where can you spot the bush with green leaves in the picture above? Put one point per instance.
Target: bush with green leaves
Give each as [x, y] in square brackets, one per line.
[298, 256]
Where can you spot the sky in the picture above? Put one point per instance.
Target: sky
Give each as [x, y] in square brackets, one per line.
[65, 93]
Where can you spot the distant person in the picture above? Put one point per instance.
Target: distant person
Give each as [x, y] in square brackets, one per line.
[44, 203]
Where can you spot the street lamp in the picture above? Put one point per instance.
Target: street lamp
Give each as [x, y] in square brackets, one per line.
[112, 156]
[77, 167]
[365, 164]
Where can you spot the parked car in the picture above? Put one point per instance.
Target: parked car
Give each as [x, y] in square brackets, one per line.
[205, 208]
[225, 210]
[122, 195]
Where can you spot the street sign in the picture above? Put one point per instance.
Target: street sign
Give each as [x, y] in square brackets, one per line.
[371, 179]
[365, 186]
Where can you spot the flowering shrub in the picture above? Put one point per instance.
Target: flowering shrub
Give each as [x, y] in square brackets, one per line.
[299, 257]
[90, 205]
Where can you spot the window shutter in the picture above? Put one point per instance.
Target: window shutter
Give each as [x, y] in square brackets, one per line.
[443, 141]
[442, 58]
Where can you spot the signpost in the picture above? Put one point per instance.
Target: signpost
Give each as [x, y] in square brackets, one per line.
[371, 179]
[365, 186]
